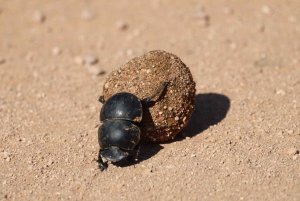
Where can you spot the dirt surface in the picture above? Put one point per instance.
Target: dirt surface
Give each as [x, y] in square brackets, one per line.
[242, 142]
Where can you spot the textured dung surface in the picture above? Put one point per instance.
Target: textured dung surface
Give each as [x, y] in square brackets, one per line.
[170, 111]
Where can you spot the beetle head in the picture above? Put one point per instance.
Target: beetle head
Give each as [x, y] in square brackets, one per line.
[114, 153]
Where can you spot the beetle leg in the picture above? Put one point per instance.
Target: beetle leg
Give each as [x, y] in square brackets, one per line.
[102, 166]
[159, 91]
[136, 151]
[101, 99]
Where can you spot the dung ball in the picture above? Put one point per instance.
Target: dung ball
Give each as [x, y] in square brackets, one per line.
[168, 113]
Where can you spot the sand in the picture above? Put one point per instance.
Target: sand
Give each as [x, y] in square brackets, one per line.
[242, 142]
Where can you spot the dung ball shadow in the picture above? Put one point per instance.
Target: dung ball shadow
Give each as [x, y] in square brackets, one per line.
[210, 109]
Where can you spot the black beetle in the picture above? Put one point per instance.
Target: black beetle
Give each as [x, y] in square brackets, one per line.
[119, 135]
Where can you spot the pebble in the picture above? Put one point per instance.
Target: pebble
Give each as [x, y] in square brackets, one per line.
[266, 9]
[147, 171]
[6, 154]
[122, 25]
[79, 60]
[292, 151]
[39, 17]
[170, 166]
[280, 92]
[95, 70]
[2, 60]
[56, 51]
[129, 52]
[202, 18]
[292, 19]
[87, 14]
[233, 45]
[228, 10]
[261, 28]
[90, 60]
[29, 56]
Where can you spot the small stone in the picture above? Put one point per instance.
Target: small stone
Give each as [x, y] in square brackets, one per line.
[78, 60]
[91, 60]
[292, 19]
[122, 25]
[170, 166]
[193, 155]
[147, 171]
[292, 151]
[39, 17]
[176, 118]
[6, 154]
[56, 51]
[2, 60]
[129, 52]
[261, 28]
[202, 19]
[228, 10]
[266, 9]
[87, 14]
[290, 131]
[280, 92]
[50, 162]
[29, 56]
[233, 45]
[95, 70]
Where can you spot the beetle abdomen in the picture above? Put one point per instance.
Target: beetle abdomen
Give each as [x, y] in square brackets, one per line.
[122, 105]
[120, 133]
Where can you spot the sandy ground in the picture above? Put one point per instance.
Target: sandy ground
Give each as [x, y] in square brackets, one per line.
[242, 142]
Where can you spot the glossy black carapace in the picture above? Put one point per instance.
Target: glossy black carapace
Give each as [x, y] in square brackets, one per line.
[119, 135]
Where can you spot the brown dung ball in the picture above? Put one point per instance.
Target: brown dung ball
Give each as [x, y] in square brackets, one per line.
[170, 111]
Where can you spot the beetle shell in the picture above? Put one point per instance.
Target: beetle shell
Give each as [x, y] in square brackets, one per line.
[120, 133]
[125, 106]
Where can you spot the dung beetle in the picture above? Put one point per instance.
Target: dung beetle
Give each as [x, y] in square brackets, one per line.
[119, 135]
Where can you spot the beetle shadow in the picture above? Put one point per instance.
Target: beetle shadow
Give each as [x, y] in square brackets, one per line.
[210, 109]
[146, 151]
